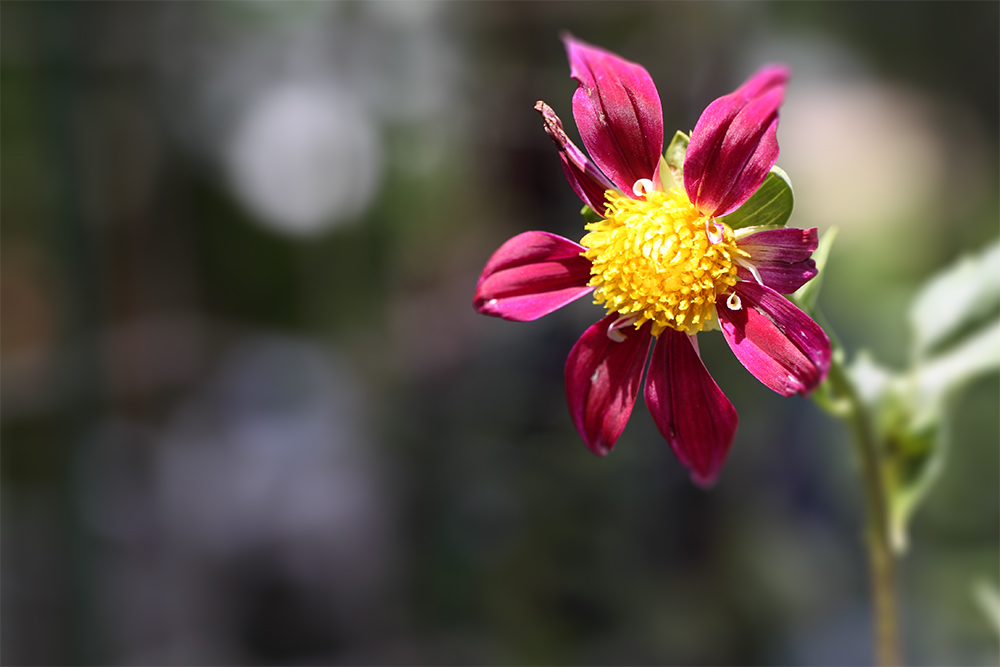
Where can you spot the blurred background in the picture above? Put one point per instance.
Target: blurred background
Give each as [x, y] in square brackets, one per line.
[249, 415]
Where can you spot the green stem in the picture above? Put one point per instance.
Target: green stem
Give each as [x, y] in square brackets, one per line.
[880, 554]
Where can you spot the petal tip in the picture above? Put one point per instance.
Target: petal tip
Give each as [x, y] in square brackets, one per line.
[734, 143]
[617, 111]
[705, 481]
[599, 448]
[602, 380]
[689, 409]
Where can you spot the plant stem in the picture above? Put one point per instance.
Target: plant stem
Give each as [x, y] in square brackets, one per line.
[880, 554]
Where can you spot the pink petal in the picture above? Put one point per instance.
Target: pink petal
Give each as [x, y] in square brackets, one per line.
[602, 382]
[532, 275]
[776, 341]
[584, 177]
[617, 111]
[734, 144]
[782, 257]
[688, 407]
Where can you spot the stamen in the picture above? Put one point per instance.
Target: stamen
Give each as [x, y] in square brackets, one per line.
[715, 230]
[734, 302]
[652, 259]
[614, 332]
[751, 268]
[642, 187]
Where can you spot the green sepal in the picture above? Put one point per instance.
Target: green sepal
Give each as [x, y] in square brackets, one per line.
[667, 180]
[590, 215]
[675, 154]
[805, 297]
[826, 398]
[770, 206]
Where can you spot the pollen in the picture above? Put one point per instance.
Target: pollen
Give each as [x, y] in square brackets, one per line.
[658, 259]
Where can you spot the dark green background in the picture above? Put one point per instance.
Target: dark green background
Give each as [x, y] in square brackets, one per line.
[129, 290]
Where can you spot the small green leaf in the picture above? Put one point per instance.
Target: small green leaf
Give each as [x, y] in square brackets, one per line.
[956, 298]
[805, 297]
[912, 461]
[675, 154]
[590, 215]
[770, 206]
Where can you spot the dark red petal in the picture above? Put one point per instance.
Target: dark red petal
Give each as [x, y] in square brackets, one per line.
[688, 407]
[617, 111]
[602, 382]
[584, 177]
[776, 341]
[532, 275]
[782, 257]
[734, 144]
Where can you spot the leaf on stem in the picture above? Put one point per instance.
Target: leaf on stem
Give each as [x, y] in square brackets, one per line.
[770, 206]
[956, 298]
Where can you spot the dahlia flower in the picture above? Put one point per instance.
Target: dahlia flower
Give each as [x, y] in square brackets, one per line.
[663, 260]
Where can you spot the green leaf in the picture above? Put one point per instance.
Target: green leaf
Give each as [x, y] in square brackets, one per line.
[935, 381]
[958, 297]
[770, 206]
[675, 154]
[590, 215]
[912, 461]
[913, 421]
[805, 297]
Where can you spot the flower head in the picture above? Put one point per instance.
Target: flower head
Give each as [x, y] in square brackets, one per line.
[663, 261]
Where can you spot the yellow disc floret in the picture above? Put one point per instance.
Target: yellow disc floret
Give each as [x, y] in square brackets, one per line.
[658, 259]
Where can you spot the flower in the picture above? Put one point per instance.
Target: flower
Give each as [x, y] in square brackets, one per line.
[664, 262]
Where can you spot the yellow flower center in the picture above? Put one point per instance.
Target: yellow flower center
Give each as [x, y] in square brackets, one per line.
[660, 260]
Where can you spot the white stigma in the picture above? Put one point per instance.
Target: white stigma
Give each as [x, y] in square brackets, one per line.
[614, 332]
[643, 187]
[715, 231]
[733, 302]
[751, 268]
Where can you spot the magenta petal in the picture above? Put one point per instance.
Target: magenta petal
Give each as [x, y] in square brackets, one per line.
[602, 382]
[776, 341]
[584, 177]
[734, 144]
[782, 257]
[688, 407]
[617, 111]
[532, 275]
